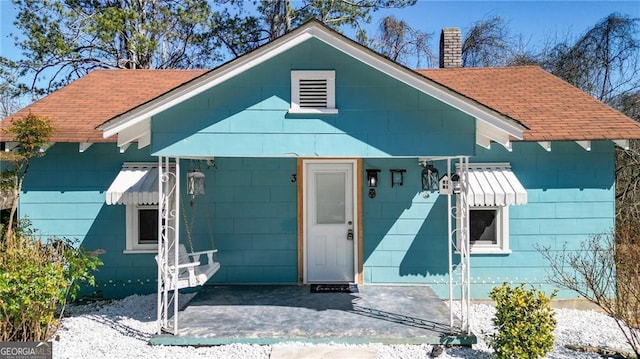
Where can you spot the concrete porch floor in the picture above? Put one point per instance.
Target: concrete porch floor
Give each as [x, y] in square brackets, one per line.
[273, 314]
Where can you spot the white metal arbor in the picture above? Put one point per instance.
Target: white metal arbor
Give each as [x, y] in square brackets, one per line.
[458, 238]
[168, 231]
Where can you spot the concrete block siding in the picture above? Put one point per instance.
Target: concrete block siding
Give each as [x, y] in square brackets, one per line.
[571, 196]
[250, 211]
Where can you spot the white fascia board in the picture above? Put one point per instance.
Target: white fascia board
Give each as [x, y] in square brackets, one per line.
[83, 146]
[624, 144]
[134, 131]
[495, 134]
[201, 84]
[291, 40]
[585, 144]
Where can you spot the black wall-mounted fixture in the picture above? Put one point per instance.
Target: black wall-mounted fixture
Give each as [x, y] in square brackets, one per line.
[429, 177]
[397, 177]
[372, 181]
[372, 177]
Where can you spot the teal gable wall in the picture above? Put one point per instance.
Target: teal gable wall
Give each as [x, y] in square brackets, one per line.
[248, 115]
[571, 196]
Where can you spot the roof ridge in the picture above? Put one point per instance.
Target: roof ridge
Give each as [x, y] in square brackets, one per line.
[482, 68]
[145, 70]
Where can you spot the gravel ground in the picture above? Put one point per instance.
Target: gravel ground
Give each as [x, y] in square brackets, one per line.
[121, 329]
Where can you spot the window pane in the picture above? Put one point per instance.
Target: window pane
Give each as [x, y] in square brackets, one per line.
[147, 226]
[482, 226]
[330, 198]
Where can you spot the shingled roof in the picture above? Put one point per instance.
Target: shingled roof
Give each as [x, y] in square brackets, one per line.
[550, 108]
[79, 107]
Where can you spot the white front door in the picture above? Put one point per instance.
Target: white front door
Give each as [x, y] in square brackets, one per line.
[329, 221]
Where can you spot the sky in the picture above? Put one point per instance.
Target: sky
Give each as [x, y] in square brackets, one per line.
[534, 20]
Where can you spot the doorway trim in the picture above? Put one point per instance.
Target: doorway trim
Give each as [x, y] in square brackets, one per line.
[302, 230]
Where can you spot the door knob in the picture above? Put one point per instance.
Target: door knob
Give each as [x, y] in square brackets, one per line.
[350, 234]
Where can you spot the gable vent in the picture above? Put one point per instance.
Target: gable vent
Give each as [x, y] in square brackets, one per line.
[313, 92]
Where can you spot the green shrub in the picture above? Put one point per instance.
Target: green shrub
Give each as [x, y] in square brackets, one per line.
[524, 321]
[36, 278]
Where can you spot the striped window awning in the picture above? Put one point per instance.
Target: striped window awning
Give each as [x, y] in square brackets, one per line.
[494, 184]
[137, 183]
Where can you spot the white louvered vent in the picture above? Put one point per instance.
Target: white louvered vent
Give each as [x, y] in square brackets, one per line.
[313, 92]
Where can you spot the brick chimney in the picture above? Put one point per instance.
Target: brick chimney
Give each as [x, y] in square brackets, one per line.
[450, 48]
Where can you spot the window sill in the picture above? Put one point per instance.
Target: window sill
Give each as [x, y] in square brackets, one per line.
[140, 251]
[324, 111]
[487, 251]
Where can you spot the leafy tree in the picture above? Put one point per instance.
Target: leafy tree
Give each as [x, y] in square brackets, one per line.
[274, 18]
[65, 39]
[32, 133]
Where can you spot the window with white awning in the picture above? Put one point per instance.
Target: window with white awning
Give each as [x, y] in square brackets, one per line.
[491, 189]
[137, 183]
[136, 186]
[494, 184]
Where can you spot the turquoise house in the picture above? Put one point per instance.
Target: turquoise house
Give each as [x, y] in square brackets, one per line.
[313, 159]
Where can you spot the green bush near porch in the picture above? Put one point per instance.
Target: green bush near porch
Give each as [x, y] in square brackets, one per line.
[524, 321]
[36, 279]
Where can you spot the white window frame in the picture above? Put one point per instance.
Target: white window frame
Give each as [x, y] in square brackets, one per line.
[132, 229]
[502, 232]
[328, 75]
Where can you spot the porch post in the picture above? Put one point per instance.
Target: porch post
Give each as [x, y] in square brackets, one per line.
[160, 258]
[463, 247]
[176, 243]
[168, 227]
[450, 245]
